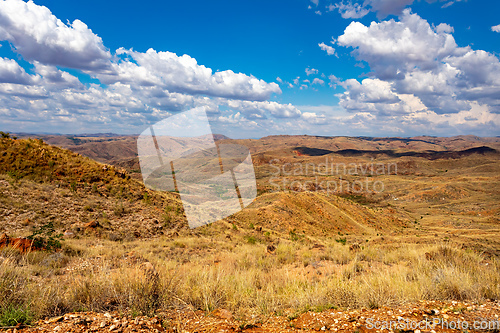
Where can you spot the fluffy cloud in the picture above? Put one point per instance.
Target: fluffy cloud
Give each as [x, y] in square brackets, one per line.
[413, 58]
[350, 10]
[58, 99]
[183, 74]
[391, 47]
[258, 110]
[14, 80]
[11, 72]
[329, 50]
[414, 119]
[372, 96]
[54, 76]
[318, 81]
[311, 71]
[38, 35]
[314, 118]
[370, 91]
[443, 27]
[46, 41]
[495, 28]
[133, 89]
[235, 119]
[21, 93]
[383, 8]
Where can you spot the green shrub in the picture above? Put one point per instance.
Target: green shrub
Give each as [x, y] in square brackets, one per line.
[146, 198]
[293, 235]
[119, 210]
[45, 237]
[11, 316]
[251, 239]
[342, 241]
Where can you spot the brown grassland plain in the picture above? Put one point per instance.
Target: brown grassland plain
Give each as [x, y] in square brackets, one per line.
[432, 234]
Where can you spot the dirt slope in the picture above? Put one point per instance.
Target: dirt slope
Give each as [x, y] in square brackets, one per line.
[40, 183]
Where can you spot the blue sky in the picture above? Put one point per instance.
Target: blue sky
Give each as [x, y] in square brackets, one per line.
[372, 67]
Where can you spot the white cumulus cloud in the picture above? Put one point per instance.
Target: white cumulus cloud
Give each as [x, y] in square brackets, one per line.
[11, 72]
[329, 49]
[38, 35]
[390, 47]
[410, 57]
[350, 10]
[131, 90]
[258, 110]
[318, 81]
[183, 74]
[311, 71]
[382, 8]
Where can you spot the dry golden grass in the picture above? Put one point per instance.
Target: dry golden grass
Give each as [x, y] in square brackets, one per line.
[135, 278]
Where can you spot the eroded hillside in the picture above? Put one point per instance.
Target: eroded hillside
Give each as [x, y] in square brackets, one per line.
[424, 244]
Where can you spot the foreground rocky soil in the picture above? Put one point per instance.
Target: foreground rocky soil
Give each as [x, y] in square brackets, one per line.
[426, 316]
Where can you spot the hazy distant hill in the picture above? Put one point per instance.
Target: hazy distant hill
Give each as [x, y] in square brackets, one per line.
[122, 150]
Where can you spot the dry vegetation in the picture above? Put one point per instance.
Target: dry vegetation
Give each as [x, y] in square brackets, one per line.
[286, 254]
[41, 183]
[205, 274]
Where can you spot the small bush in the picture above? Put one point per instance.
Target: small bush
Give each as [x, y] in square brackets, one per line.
[11, 316]
[167, 220]
[293, 235]
[119, 210]
[146, 198]
[45, 237]
[342, 241]
[251, 239]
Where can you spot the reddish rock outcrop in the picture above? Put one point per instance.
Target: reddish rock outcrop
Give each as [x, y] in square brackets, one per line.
[24, 245]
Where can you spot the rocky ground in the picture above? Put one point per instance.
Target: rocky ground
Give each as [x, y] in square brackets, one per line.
[426, 316]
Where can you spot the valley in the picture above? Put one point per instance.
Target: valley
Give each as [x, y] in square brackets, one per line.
[340, 226]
